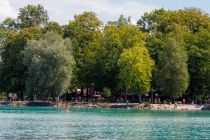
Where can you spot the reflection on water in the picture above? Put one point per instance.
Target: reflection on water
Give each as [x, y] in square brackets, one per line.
[53, 123]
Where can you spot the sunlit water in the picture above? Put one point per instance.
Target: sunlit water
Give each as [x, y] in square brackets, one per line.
[53, 123]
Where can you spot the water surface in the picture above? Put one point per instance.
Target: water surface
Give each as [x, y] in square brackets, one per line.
[54, 123]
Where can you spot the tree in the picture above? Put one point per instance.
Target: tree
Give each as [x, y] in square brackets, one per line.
[12, 76]
[195, 25]
[197, 45]
[135, 69]
[32, 15]
[191, 20]
[53, 26]
[121, 21]
[148, 21]
[82, 31]
[115, 38]
[10, 24]
[199, 69]
[49, 64]
[173, 73]
[6, 27]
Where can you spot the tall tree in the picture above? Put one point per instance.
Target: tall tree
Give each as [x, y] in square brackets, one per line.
[173, 73]
[199, 69]
[135, 69]
[32, 15]
[121, 21]
[49, 62]
[191, 20]
[6, 27]
[148, 21]
[82, 31]
[53, 26]
[198, 45]
[12, 76]
[115, 39]
[10, 24]
[195, 24]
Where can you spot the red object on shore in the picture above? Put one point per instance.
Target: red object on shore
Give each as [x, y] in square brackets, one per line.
[184, 108]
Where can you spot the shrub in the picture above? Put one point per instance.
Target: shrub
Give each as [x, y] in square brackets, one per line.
[106, 92]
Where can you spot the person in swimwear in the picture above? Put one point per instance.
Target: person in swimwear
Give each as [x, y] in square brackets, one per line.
[66, 108]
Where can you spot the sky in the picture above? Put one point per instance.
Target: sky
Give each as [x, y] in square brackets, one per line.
[107, 10]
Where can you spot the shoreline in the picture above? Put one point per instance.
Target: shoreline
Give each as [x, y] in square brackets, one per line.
[179, 107]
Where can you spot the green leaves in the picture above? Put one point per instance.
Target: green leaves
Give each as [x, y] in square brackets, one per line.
[111, 55]
[84, 32]
[13, 70]
[136, 69]
[50, 63]
[32, 15]
[148, 21]
[193, 25]
[173, 75]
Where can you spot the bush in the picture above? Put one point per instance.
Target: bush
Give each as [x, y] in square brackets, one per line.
[146, 105]
[106, 92]
[2, 96]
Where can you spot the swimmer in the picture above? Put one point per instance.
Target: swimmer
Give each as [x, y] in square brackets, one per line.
[66, 108]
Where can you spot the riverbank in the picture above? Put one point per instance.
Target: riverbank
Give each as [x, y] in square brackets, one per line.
[185, 107]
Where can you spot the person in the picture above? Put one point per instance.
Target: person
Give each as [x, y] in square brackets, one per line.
[175, 106]
[66, 108]
[184, 101]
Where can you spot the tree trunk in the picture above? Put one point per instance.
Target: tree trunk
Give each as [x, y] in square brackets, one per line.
[87, 95]
[33, 95]
[8, 96]
[202, 101]
[82, 93]
[140, 99]
[152, 97]
[22, 95]
[126, 99]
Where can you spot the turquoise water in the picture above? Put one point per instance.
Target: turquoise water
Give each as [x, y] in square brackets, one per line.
[53, 123]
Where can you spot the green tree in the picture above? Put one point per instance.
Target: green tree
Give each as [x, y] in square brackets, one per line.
[135, 69]
[115, 38]
[6, 27]
[49, 64]
[53, 26]
[10, 24]
[148, 21]
[32, 15]
[199, 69]
[12, 76]
[121, 21]
[195, 25]
[197, 45]
[85, 28]
[173, 74]
[191, 20]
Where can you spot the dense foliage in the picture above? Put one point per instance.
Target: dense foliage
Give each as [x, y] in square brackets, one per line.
[135, 69]
[49, 63]
[173, 72]
[167, 52]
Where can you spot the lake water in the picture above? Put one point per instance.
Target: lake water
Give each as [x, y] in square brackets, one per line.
[54, 123]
